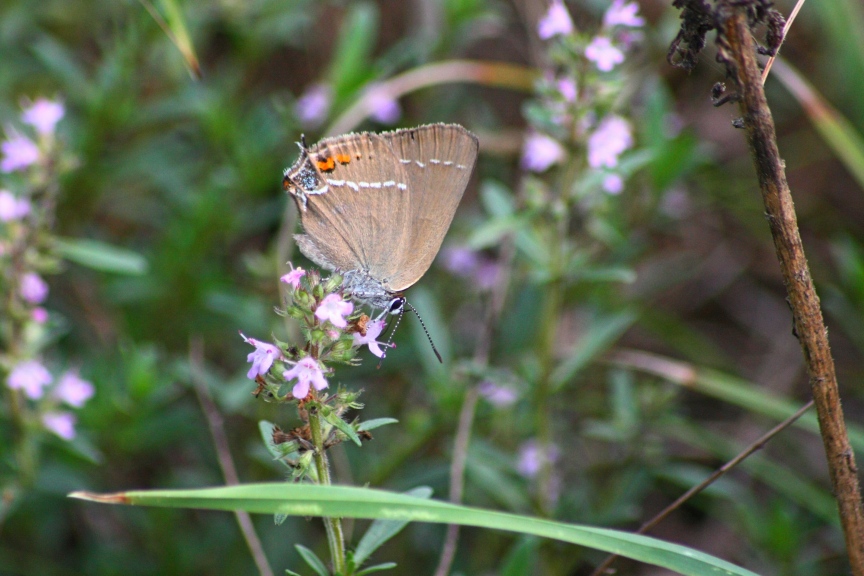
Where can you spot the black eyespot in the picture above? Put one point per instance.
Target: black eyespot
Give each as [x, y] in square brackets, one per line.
[396, 305]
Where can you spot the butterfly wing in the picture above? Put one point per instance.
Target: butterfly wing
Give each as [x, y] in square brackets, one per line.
[352, 194]
[438, 160]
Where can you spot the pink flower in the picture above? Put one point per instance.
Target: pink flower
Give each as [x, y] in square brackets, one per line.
[293, 277]
[31, 377]
[460, 260]
[383, 107]
[609, 140]
[306, 371]
[314, 105]
[555, 21]
[73, 390]
[60, 423]
[12, 208]
[613, 184]
[262, 358]
[373, 330]
[497, 395]
[39, 315]
[540, 152]
[567, 89]
[603, 54]
[334, 308]
[532, 456]
[43, 115]
[620, 14]
[19, 152]
[33, 289]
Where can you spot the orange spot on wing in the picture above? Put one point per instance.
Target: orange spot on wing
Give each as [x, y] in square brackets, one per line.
[326, 164]
[343, 158]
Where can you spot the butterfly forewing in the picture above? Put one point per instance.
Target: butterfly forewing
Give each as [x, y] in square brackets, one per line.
[438, 160]
[356, 214]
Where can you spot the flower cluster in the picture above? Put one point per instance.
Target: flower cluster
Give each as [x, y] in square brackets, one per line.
[36, 383]
[579, 94]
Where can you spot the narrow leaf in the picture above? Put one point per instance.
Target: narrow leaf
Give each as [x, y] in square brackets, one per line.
[380, 531]
[101, 256]
[376, 423]
[312, 560]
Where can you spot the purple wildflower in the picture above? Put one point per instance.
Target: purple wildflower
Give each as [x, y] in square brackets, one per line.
[19, 152]
[314, 105]
[460, 260]
[306, 371]
[621, 14]
[532, 456]
[43, 115]
[567, 89]
[496, 395]
[12, 208]
[60, 423]
[383, 107]
[604, 55]
[373, 330]
[33, 288]
[29, 376]
[39, 315]
[293, 277]
[540, 152]
[334, 308]
[73, 390]
[609, 140]
[555, 21]
[613, 184]
[262, 358]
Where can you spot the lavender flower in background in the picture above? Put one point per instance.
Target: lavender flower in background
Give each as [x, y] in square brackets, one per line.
[262, 358]
[500, 396]
[567, 88]
[12, 208]
[334, 309]
[613, 184]
[314, 105]
[383, 107]
[60, 423]
[531, 457]
[611, 138]
[467, 263]
[73, 390]
[31, 377]
[621, 14]
[555, 22]
[43, 115]
[306, 371]
[604, 55]
[373, 330]
[18, 151]
[39, 315]
[33, 289]
[540, 152]
[293, 277]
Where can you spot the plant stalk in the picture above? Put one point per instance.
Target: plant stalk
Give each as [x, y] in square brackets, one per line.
[335, 535]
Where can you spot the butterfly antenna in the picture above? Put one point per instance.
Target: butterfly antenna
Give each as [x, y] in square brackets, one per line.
[423, 324]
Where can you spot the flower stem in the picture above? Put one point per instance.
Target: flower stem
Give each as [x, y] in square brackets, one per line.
[335, 536]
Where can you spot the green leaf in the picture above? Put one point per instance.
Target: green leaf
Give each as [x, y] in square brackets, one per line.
[353, 502]
[520, 559]
[100, 256]
[291, 573]
[278, 451]
[353, 51]
[377, 568]
[312, 560]
[335, 420]
[380, 531]
[376, 423]
[497, 199]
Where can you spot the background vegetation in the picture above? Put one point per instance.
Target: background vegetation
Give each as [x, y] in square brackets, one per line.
[185, 172]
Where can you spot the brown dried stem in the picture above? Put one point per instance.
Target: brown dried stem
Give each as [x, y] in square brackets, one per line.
[738, 51]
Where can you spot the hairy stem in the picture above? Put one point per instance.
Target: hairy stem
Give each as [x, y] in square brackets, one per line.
[335, 536]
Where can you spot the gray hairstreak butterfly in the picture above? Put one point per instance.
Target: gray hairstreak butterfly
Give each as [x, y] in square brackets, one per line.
[376, 207]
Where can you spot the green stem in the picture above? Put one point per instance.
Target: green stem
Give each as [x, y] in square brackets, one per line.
[335, 536]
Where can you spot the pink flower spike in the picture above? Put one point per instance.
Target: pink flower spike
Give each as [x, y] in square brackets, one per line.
[604, 55]
[334, 308]
[31, 377]
[540, 152]
[556, 21]
[611, 138]
[33, 289]
[314, 105]
[43, 115]
[620, 14]
[613, 184]
[262, 358]
[373, 330]
[12, 208]
[383, 107]
[60, 423]
[293, 277]
[39, 315]
[19, 152]
[306, 371]
[73, 390]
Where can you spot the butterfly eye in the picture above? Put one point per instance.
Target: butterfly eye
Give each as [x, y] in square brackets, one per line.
[396, 305]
